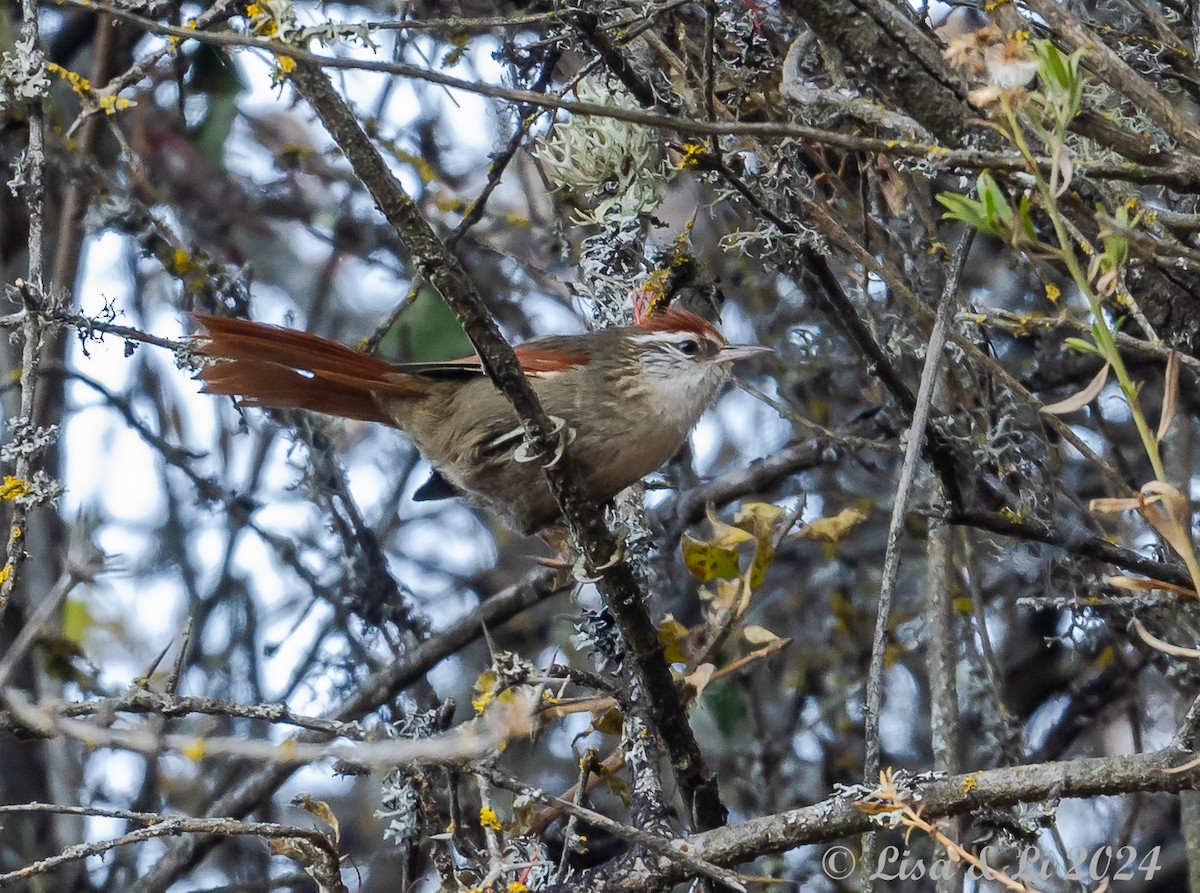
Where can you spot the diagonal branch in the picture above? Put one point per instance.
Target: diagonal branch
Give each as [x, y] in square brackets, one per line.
[663, 709]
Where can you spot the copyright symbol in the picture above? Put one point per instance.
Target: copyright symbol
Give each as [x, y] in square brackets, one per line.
[838, 863]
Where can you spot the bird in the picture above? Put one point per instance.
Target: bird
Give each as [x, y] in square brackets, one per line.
[624, 397]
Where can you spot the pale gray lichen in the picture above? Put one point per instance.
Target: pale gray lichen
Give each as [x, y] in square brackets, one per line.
[25, 439]
[23, 76]
[398, 803]
[614, 168]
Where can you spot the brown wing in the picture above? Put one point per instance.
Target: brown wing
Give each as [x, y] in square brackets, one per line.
[540, 355]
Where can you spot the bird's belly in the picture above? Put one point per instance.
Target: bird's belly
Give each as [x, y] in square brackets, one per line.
[519, 493]
[612, 451]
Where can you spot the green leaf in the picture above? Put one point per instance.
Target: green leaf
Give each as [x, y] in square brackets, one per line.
[1053, 68]
[727, 704]
[708, 561]
[1081, 345]
[997, 210]
[428, 331]
[1061, 84]
[966, 210]
[1027, 220]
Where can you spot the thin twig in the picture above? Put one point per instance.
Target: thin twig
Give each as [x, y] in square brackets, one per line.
[941, 657]
[912, 455]
[891, 561]
[33, 295]
[254, 787]
[585, 768]
[934, 155]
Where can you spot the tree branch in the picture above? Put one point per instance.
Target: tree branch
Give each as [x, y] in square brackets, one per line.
[665, 711]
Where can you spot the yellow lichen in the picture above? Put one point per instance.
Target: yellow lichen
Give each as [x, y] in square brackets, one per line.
[693, 154]
[488, 818]
[13, 488]
[112, 103]
[179, 263]
[78, 82]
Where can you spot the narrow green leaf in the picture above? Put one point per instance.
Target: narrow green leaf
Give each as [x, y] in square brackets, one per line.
[1081, 345]
[1027, 220]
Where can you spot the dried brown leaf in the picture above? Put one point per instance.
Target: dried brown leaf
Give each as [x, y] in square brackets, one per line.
[1139, 584]
[1160, 645]
[1114, 505]
[758, 635]
[1083, 398]
[322, 811]
[699, 678]
[1170, 396]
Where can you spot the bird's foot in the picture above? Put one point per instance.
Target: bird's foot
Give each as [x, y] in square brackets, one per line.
[585, 573]
[559, 541]
[565, 434]
[567, 559]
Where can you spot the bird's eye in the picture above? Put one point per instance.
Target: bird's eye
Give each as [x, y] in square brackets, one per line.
[689, 348]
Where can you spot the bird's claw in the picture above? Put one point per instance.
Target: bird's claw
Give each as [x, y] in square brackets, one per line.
[581, 570]
[565, 435]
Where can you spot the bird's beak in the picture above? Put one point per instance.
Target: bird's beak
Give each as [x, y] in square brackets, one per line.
[735, 352]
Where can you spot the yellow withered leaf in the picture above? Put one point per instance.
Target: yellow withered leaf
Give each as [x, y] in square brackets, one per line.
[758, 635]
[322, 811]
[671, 634]
[609, 722]
[833, 529]
[764, 520]
[760, 518]
[726, 535]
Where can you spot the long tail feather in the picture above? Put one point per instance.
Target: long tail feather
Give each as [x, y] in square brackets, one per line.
[280, 368]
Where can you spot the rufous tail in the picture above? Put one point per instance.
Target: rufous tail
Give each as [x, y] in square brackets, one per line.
[280, 368]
